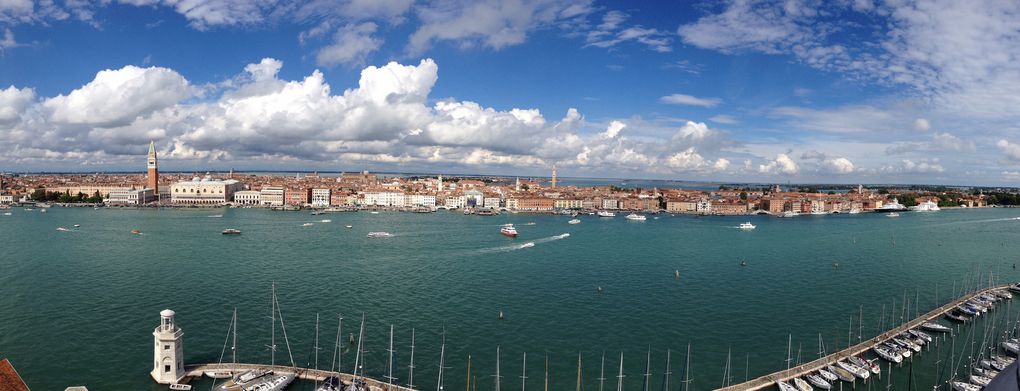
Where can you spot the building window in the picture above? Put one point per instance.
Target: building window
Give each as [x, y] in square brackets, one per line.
[166, 368]
[166, 347]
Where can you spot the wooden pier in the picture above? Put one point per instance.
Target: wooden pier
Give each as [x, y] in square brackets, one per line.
[198, 370]
[770, 380]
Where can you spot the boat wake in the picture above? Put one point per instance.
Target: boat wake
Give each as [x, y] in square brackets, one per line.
[522, 246]
[216, 216]
[552, 238]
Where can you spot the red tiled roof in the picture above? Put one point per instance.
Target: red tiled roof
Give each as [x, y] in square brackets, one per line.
[9, 378]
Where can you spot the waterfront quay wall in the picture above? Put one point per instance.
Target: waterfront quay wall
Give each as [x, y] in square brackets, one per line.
[770, 380]
[199, 370]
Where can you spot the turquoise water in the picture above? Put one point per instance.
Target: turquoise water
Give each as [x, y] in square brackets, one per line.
[79, 307]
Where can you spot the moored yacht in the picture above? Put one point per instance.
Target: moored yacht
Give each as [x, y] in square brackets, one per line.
[605, 213]
[271, 383]
[926, 206]
[894, 206]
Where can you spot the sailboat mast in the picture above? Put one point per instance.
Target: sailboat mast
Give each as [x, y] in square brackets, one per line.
[789, 351]
[357, 355]
[497, 369]
[578, 371]
[233, 349]
[442, 357]
[860, 325]
[272, 316]
[619, 377]
[316, 341]
[546, 388]
[666, 375]
[687, 369]
[389, 375]
[648, 369]
[524, 370]
[410, 367]
[602, 371]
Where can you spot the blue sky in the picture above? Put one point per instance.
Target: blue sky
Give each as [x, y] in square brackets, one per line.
[766, 91]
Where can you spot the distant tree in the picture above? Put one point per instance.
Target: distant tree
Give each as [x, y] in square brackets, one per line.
[831, 192]
[883, 191]
[743, 196]
[39, 195]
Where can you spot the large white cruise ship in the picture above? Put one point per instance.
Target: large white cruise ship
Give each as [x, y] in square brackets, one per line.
[893, 206]
[926, 206]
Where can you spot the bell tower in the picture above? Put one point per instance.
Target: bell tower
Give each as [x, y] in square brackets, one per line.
[168, 356]
[153, 173]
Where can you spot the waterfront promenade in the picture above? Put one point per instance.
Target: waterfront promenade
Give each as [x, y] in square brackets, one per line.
[193, 371]
[769, 381]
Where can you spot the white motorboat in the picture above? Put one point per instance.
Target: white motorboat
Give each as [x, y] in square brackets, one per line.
[574, 221]
[604, 213]
[747, 226]
[892, 214]
[926, 206]
[325, 221]
[379, 234]
[307, 224]
[508, 230]
[841, 373]
[231, 231]
[636, 217]
[181, 387]
[348, 226]
[62, 229]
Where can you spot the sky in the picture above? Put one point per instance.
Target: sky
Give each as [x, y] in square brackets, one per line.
[767, 91]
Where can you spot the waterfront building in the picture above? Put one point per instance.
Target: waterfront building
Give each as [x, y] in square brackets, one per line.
[6, 199]
[383, 198]
[535, 204]
[492, 202]
[610, 203]
[455, 202]
[361, 178]
[297, 197]
[131, 197]
[168, 354]
[681, 206]
[152, 176]
[703, 206]
[474, 197]
[271, 196]
[338, 197]
[320, 197]
[248, 197]
[512, 204]
[568, 204]
[204, 191]
[419, 200]
[729, 208]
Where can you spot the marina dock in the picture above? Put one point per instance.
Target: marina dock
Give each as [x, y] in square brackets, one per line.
[194, 371]
[769, 381]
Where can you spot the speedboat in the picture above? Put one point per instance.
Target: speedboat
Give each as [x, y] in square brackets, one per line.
[379, 234]
[818, 381]
[348, 226]
[62, 229]
[932, 326]
[508, 230]
[231, 231]
[181, 387]
[136, 232]
[574, 221]
[856, 370]
[307, 224]
[747, 226]
[636, 217]
[603, 213]
[784, 386]
[325, 221]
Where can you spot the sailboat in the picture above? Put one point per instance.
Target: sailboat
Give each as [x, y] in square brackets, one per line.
[233, 350]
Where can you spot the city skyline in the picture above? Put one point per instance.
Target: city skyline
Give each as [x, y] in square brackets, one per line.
[744, 91]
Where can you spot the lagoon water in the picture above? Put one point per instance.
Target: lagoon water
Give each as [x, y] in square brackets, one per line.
[78, 307]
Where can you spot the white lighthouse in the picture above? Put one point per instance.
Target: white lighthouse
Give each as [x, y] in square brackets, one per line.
[168, 356]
